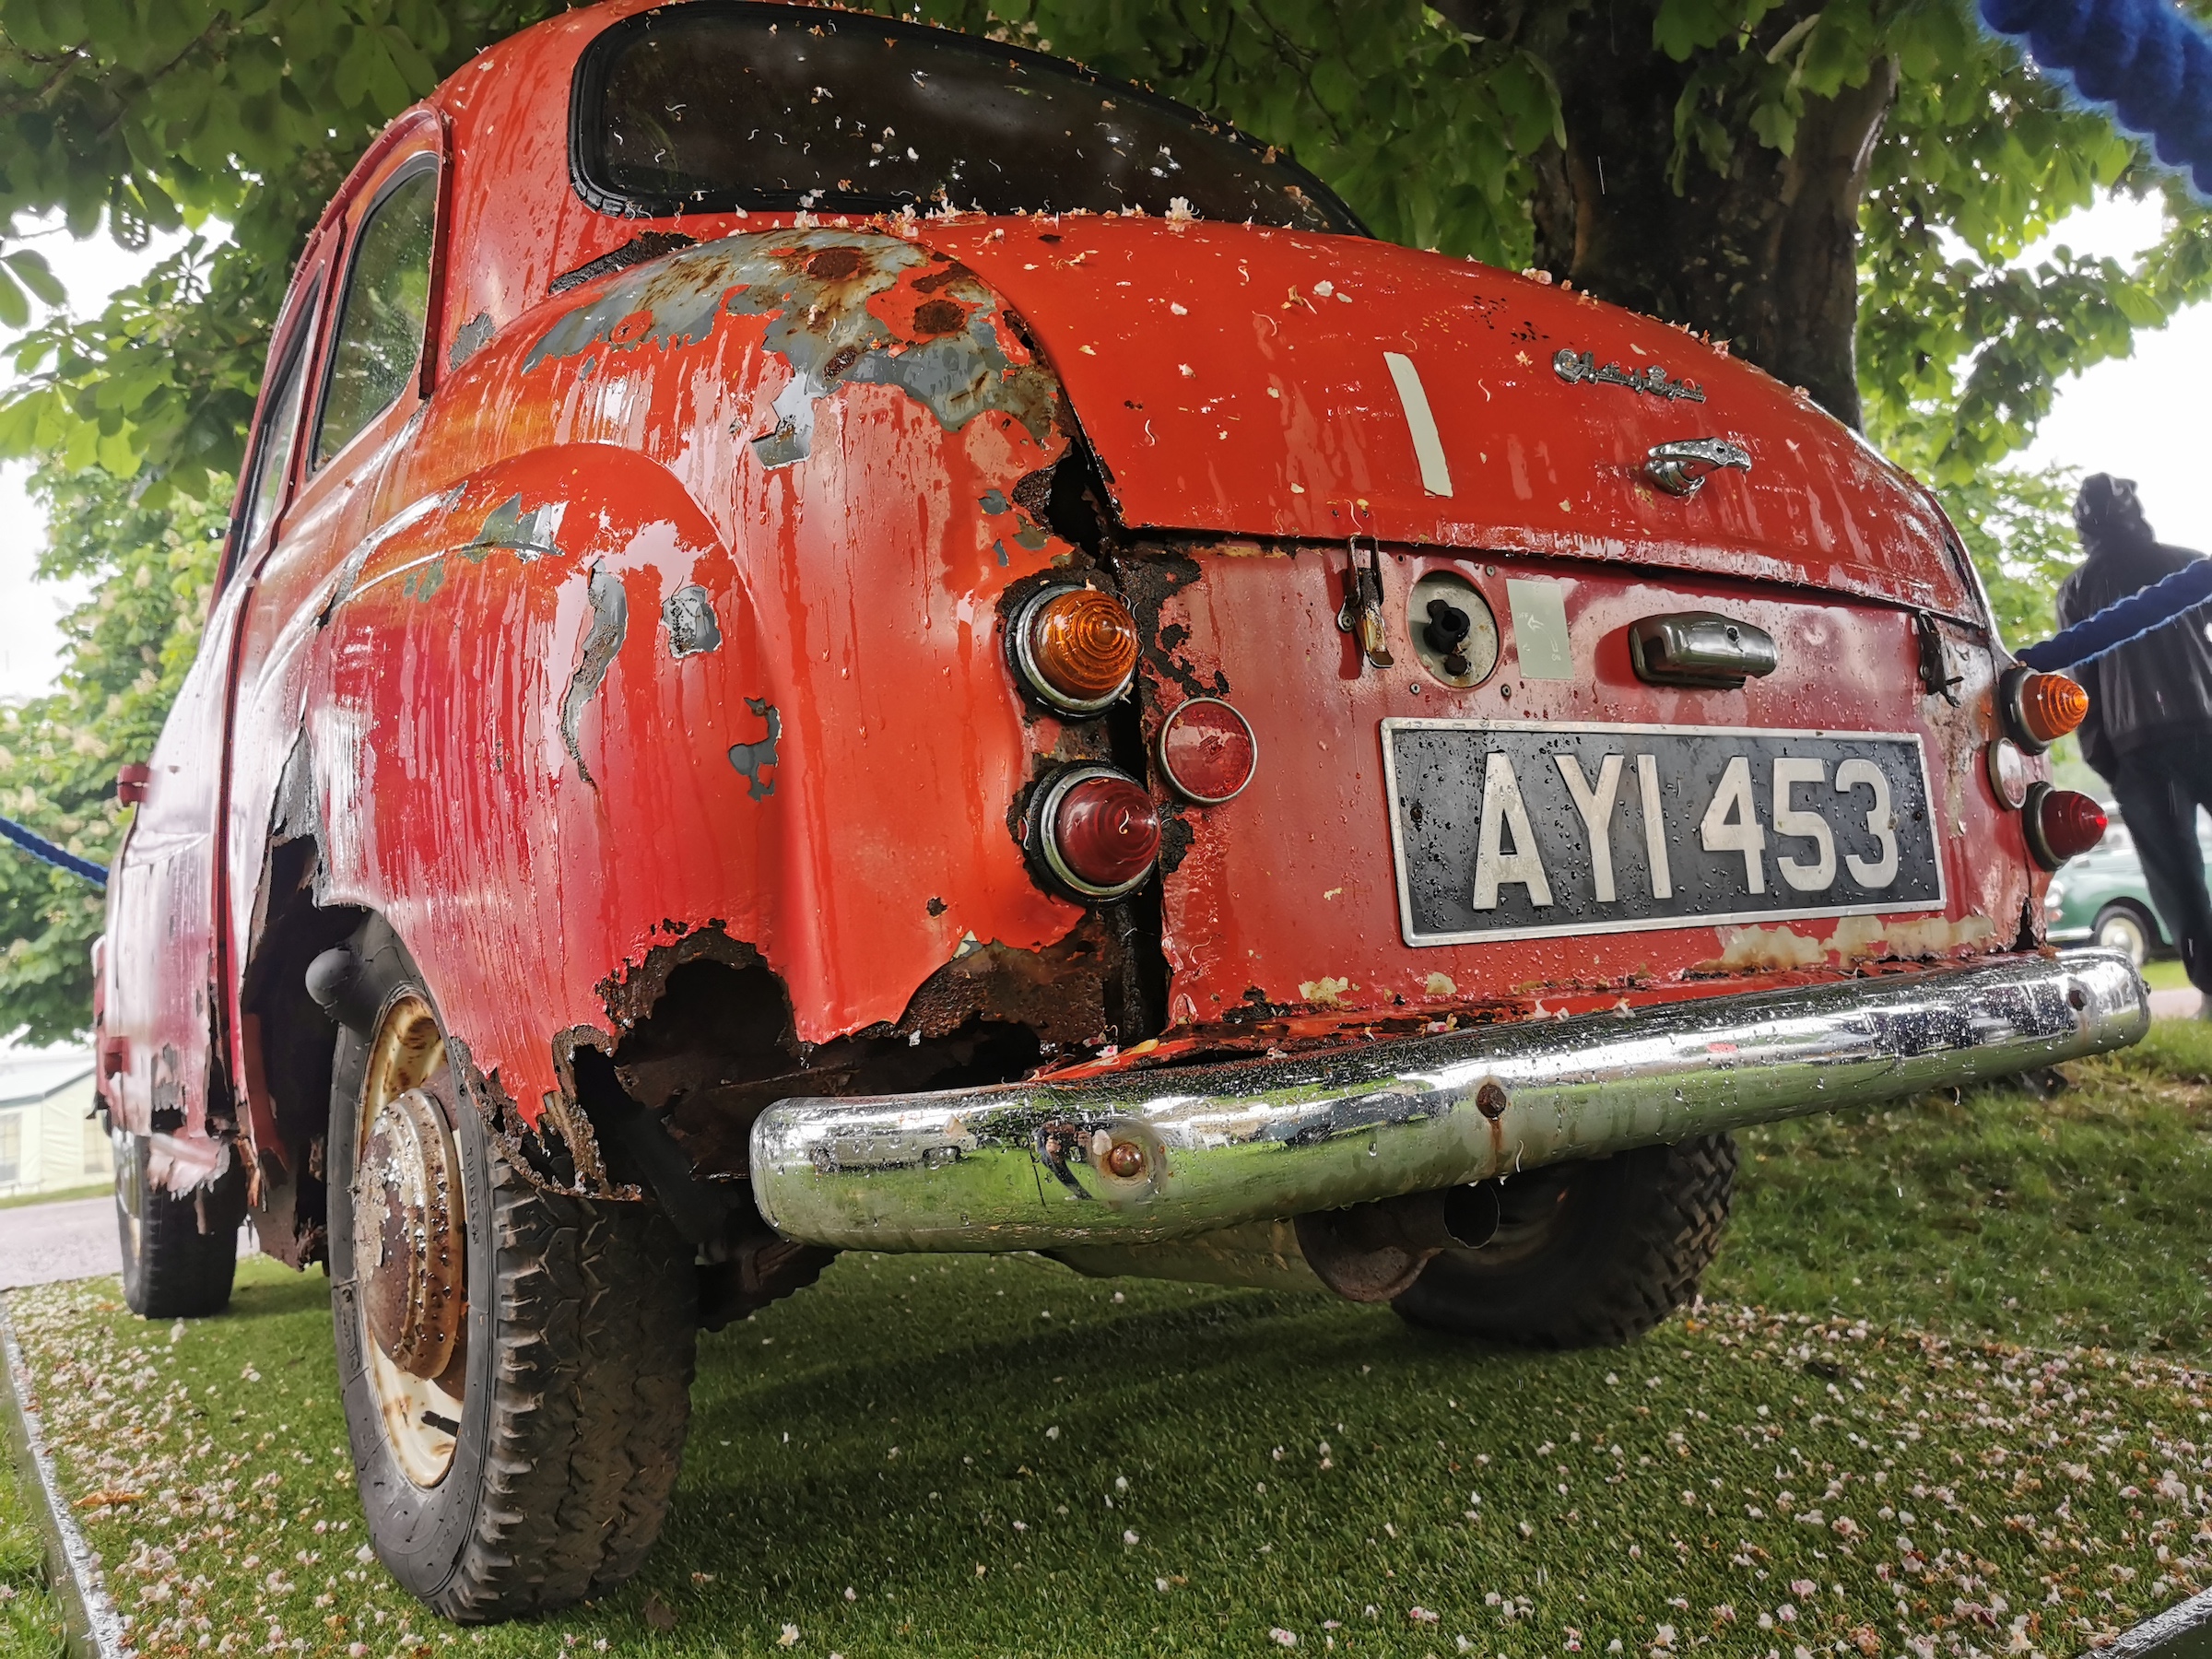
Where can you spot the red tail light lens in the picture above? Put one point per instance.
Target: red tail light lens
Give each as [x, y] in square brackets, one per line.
[1097, 831]
[1076, 647]
[2060, 824]
[2039, 709]
[1208, 750]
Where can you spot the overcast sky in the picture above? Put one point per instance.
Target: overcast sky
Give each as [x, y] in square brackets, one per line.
[2142, 417]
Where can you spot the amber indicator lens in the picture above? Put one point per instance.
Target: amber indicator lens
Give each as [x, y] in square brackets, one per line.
[2061, 824]
[1207, 751]
[1099, 832]
[2052, 705]
[1077, 648]
[2039, 709]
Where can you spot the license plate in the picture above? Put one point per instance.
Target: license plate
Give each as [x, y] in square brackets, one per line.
[1507, 829]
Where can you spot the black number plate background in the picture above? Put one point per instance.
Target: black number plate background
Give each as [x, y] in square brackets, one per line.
[1437, 772]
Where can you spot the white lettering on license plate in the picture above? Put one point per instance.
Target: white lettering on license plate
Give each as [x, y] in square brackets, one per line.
[1506, 829]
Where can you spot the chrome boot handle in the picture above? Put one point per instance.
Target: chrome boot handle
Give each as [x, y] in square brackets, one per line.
[1681, 468]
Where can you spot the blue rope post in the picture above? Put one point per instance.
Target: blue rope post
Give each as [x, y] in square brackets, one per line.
[2166, 600]
[2141, 62]
[61, 858]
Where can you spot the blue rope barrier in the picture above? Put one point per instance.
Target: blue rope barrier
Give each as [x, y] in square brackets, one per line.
[2124, 619]
[2143, 61]
[61, 858]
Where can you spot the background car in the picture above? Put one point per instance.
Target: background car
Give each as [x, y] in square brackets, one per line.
[2101, 897]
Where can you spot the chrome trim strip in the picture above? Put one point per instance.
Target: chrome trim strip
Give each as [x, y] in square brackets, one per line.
[1027, 1166]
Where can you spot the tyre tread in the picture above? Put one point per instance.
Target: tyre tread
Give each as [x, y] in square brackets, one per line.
[1640, 1261]
[588, 1422]
[181, 1272]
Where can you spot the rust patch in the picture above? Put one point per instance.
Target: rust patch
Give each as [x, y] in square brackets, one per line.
[1059, 992]
[688, 616]
[1147, 582]
[939, 317]
[1937, 936]
[1778, 946]
[469, 339]
[842, 307]
[645, 245]
[755, 760]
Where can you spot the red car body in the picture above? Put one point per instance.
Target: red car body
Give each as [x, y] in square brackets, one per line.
[1231, 382]
[644, 666]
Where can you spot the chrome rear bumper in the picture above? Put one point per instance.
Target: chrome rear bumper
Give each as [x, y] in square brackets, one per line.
[1147, 1156]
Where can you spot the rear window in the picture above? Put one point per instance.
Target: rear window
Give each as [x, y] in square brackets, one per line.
[708, 107]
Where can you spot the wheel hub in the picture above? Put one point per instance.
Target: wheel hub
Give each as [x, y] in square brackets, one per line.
[409, 1229]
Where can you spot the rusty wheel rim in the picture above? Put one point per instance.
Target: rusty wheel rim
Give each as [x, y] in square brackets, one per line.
[410, 1234]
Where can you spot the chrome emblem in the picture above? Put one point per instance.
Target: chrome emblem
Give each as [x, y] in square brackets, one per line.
[1574, 367]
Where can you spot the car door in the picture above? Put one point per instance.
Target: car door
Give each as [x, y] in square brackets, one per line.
[370, 377]
[162, 1006]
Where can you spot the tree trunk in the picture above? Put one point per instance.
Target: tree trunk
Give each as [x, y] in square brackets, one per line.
[1763, 255]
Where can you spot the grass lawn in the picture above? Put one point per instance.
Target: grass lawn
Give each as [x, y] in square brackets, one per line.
[2166, 973]
[1943, 1399]
[30, 1621]
[2081, 1218]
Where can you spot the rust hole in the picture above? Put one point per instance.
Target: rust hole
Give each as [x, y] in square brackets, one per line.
[834, 265]
[2076, 997]
[1127, 1159]
[1489, 1100]
[939, 317]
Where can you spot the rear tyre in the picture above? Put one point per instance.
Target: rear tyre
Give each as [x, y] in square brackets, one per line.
[515, 1364]
[2122, 929]
[1587, 1254]
[178, 1253]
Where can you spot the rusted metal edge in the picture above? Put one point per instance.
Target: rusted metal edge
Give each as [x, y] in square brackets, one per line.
[2180, 1632]
[94, 1628]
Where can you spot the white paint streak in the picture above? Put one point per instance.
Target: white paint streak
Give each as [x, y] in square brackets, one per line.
[1428, 447]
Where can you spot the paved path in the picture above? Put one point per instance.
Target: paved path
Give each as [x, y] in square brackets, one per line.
[2175, 1005]
[72, 1240]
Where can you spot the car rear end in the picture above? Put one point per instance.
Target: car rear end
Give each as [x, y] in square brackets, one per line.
[1550, 739]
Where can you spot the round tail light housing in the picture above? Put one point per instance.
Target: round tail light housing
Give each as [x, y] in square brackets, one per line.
[1097, 832]
[2039, 709]
[1207, 750]
[2060, 824]
[1075, 648]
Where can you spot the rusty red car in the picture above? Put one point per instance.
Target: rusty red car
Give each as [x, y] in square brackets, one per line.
[841, 636]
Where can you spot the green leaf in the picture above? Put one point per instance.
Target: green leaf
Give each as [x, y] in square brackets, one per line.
[14, 310]
[29, 266]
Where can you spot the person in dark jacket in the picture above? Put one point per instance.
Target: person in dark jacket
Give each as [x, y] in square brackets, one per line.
[2148, 733]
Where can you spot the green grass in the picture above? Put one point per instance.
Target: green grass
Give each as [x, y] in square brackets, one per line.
[2078, 1218]
[975, 1456]
[2166, 973]
[30, 1621]
[60, 1195]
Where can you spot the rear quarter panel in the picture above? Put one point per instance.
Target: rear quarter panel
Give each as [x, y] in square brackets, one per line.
[521, 766]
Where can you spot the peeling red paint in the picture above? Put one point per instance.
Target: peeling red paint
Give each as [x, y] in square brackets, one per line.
[663, 622]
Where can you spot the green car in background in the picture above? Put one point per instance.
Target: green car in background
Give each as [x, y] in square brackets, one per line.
[2101, 897]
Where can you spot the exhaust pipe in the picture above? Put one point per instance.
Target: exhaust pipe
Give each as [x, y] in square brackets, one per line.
[1146, 1156]
[1371, 1253]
